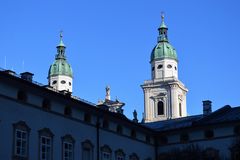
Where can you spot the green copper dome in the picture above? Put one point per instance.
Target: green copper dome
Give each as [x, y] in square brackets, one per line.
[60, 65]
[163, 49]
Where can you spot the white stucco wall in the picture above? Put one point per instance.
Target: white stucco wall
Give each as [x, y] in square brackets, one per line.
[58, 85]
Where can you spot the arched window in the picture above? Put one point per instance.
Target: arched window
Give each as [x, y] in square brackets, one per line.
[160, 66]
[133, 134]
[68, 147]
[45, 144]
[68, 111]
[46, 104]
[209, 134]
[87, 117]
[87, 150]
[180, 109]
[105, 124]
[22, 96]
[148, 139]
[119, 154]
[106, 153]
[163, 140]
[21, 140]
[133, 156]
[160, 108]
[184, 137]
[119, 129]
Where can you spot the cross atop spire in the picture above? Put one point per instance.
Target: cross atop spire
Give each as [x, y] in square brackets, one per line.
[162, 16]
[61, 39]
[162, 23]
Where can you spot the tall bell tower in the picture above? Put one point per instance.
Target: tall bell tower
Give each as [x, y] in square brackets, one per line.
[60, 73]
[164, 94]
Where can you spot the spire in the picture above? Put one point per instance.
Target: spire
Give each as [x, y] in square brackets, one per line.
[61, 48]
[162, 30]
[61, 39]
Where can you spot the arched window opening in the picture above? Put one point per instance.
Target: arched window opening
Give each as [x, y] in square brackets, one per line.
[160, 108]
[68, 111]
[21, 140]
[119, 129]
[68, 147]
[148, 140]
[119, 154]
[180, 109]
[45, 144]
[46, 104]
[163, 140]
[133, 134]
[209, 134]
[87, 150]
[87, 117]
[106, 152]
[133, 156]
[184, 137]
[160, 66]
[21, 95]
[105, 124]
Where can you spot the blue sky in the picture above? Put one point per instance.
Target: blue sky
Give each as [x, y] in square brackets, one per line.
[109, 43]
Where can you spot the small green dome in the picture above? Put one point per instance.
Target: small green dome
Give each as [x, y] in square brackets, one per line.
[60, 67]
[163, 50]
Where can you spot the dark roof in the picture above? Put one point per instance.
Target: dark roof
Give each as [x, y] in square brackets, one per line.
[222, 115]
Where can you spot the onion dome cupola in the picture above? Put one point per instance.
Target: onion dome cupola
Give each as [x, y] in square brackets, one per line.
[163, 49]
[60, 72]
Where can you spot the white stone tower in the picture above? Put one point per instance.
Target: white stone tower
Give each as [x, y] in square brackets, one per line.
[60, 73]
[164, 94]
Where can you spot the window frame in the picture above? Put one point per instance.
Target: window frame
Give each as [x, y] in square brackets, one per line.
[160, 108]
[133, 156]
[21, 126]
[87, 145]
[106, 150]
[120, 154]
[68, 140]
[22, 96]
[46, 134]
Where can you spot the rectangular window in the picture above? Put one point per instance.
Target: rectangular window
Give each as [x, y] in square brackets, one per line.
[67, 151]
[20, 143]
[45, 148]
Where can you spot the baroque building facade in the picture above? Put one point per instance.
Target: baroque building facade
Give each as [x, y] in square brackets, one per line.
[46, 122]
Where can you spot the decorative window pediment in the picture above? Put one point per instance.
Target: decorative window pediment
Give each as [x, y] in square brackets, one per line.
[133, 156]
[21, 139]
[45, 132]
[119, 154]
[106, 152]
